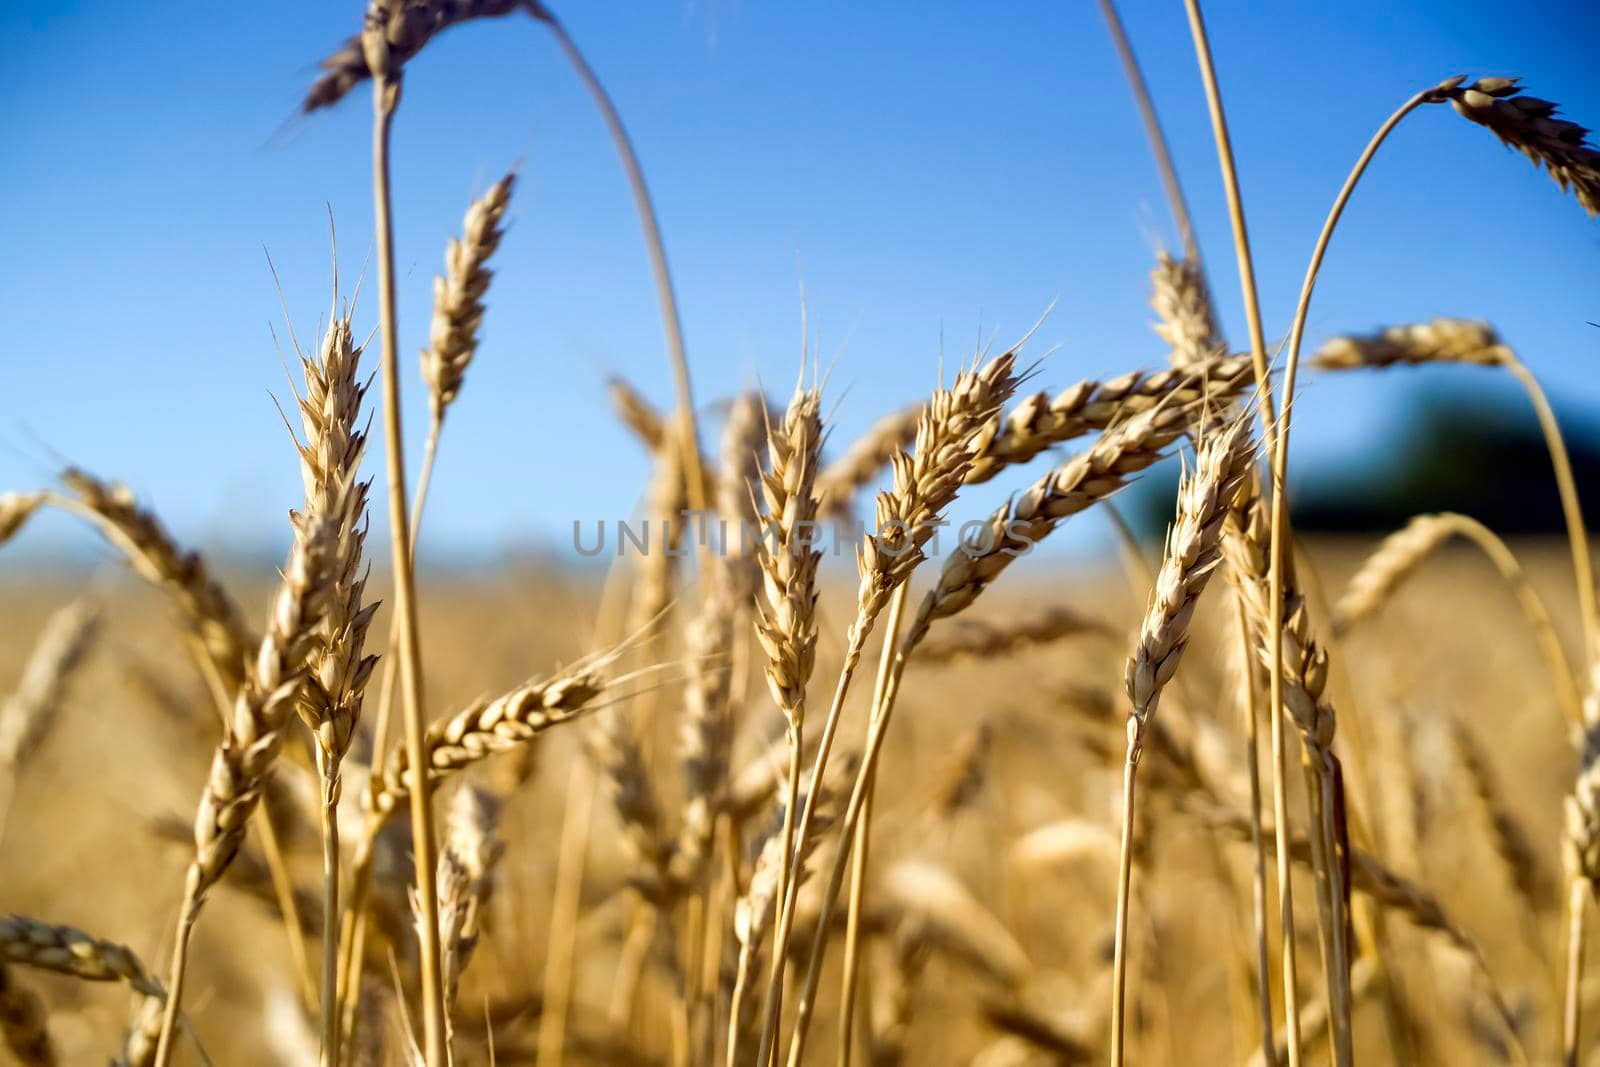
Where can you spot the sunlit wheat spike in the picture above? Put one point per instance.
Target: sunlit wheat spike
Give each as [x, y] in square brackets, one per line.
[458, 296]
[156, 557]
[1184, 317]
[786, 622]
[1193, 552]
[28, 942]
[473, 734]
[1016, 527]
[28, 713]
[1530, 126]
[1041, 421]
[953, 430]
[1017, 631]
[1437, 341]
[403, 27]
[241, 764]
[637, 413]
[330, 461]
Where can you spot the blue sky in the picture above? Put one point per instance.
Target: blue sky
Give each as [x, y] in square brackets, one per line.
[933, 173]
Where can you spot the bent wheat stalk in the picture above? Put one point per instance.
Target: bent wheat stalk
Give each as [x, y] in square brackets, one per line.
[1477, 344]
[1405, 550]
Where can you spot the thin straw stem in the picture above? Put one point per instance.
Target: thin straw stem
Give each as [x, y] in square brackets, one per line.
[386, 96]
[858, 863]
[689, 439]
[1571, 1014]
[1152, 129]
[1268, 414]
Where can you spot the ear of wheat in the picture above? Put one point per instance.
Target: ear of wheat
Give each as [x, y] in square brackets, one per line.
[1185, 319]
[405, 27]
[1530, 126]
[458, 296]
[1438, 341]
[206, 606]
[28, 713]
[1042, 421]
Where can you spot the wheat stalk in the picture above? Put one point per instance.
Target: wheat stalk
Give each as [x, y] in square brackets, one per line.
[453, 340]
[756, 910]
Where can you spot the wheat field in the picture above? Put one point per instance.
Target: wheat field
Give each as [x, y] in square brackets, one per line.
[1230, 796]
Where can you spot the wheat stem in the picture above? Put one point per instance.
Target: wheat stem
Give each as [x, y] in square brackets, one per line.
[386, 97]
[1572, 1003]
[858, 862]
[689, 437]
[1258, 356]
